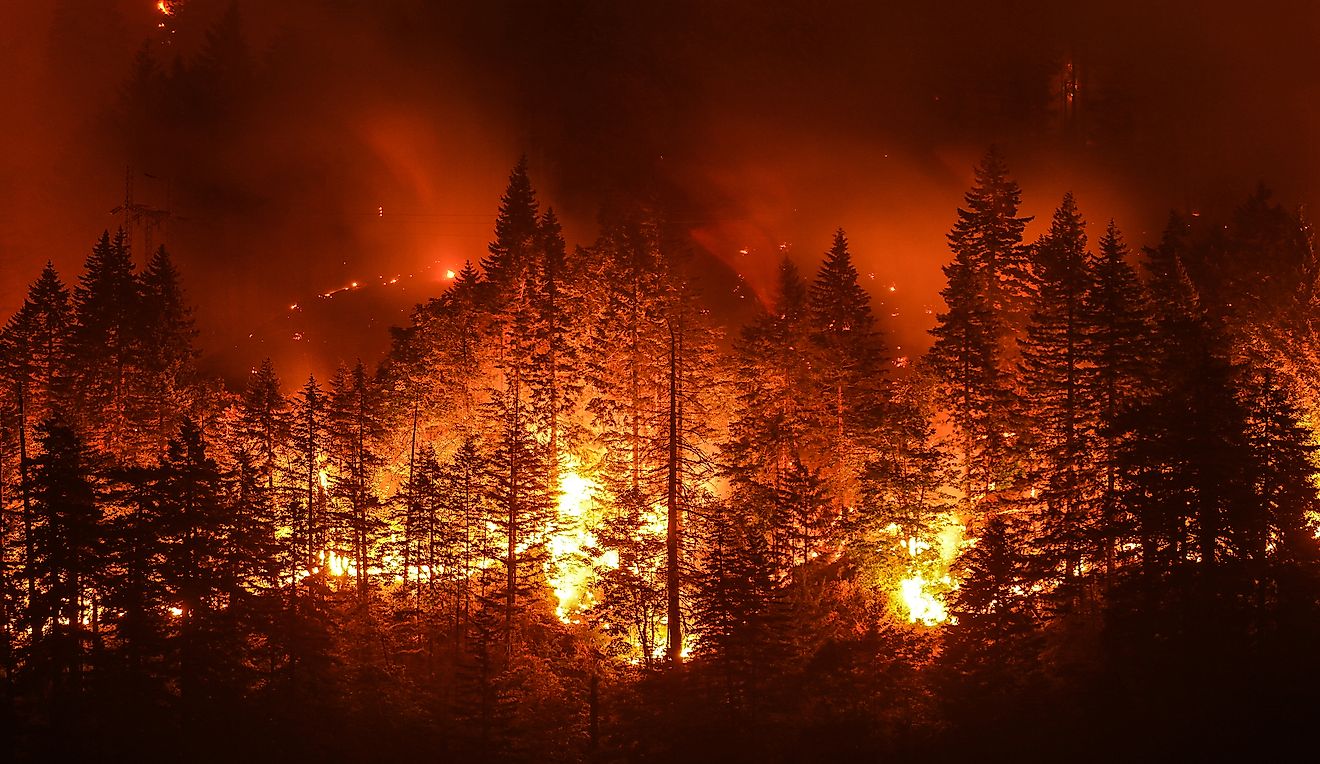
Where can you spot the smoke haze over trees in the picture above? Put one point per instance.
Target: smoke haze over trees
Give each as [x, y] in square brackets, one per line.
[759, 413]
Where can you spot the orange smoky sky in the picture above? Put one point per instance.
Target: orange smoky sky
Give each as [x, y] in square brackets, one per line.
[301, 146]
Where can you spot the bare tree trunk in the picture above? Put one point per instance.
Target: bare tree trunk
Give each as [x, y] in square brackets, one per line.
[675, 621]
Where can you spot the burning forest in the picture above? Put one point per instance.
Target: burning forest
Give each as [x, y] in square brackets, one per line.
[666, 486]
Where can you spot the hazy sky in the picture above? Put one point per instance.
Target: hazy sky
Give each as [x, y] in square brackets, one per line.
[761, 124]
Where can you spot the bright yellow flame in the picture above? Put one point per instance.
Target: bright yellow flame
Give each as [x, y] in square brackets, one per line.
[325, 479]
[337, 565]
[165, 7]
[571, 572]
[921, 605]
[449, 274]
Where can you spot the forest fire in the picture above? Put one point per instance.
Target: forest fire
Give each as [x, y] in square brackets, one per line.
[922, 606]
[410, 456]
[572, 546]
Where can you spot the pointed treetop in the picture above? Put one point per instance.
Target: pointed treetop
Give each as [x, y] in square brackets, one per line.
[791, 296]
[516, 226]
[838, 302]
[1063, 248]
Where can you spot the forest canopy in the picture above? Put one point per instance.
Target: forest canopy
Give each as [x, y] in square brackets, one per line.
[573, 517]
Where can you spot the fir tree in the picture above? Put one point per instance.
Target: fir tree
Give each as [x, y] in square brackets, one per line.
[264, 423]
[1054, 368]
[973, 353]
[517, 230]
[66, 562]
[167, 355]
[521, 508]
[851, 366]
[107, 338]
[356, 427]
[309, 443]
[992, 643]
[1119, 372]
[35, 346]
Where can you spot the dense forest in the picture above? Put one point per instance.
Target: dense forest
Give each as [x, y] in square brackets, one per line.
[571, 517]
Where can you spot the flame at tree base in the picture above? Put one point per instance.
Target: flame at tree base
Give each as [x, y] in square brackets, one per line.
[922, 606]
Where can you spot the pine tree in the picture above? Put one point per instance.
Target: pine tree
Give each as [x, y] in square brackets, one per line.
[462, 542]
[310, 444]
[773, 436]
[168, 373]
[1054, 369]
[851, 366]
[1119, 373]
[683, 433]
[623, 348]
[264, 423]
[735, 605]
[632, 609]
[521, 508]
[136, 600]
[107, 338]
[989, 233]
[906, 505]
[992, 641]
[1279, 523]
[554, 376]
[213, 562]
[35, 346]
[356, 427]
[973, 353]
[517, 230]
[66, 562]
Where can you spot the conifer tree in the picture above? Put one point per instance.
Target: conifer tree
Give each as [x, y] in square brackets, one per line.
[521, 508]
[66, 562]
[211, 564]
[1119, 372]
[1054, 367]
[554, 375]
[136, 600]
[309, 443]
[905, 498]
[992, 642]
[264, 423]
[973, 353]
[517, 230]
[776, 420]
[851, 366]
[464, 491]
[168, 373]
[35, 346]
[735, 604]
[356, 427]
[107, 338]
[683, 430]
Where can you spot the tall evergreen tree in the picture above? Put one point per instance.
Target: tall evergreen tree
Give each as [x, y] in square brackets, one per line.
[107, 339]
[521, 509]
[974, 353]
[35, 346]
[1119, 372]
[167, 356]
[66, 561]
[851, 365]
[1057, 400]
[356, 427]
